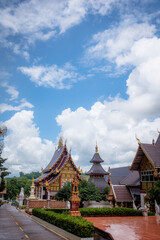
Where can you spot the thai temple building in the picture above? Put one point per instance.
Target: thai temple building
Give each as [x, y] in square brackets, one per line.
[60, 169]
[97, 173]
[147, 163]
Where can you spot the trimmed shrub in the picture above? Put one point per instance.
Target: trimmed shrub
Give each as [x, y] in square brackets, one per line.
[75, 225]
[58, 210]
[118, 211]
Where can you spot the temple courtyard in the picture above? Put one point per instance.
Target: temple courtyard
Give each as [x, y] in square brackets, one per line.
[129, 228]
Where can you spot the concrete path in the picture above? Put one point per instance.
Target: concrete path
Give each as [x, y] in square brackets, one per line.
[129, 228]
[15, 225]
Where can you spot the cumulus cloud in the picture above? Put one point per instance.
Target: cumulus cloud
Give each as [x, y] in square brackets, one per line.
[23, 147]
[113, 123]
[117, 41]
[52, 76]
[112, 128]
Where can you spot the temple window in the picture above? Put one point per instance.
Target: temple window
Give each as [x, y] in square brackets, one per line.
[147, 176]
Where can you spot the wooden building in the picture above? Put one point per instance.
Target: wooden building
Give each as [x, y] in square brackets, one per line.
[97, 173]
[147, 163]
[60, 169]
[124, 187]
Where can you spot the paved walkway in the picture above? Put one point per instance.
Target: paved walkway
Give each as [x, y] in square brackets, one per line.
[15, 225]
[129, 228]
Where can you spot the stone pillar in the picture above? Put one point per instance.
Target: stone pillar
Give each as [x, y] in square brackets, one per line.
[42, 193]
[142, 200]
[48, 194]
[157, 209]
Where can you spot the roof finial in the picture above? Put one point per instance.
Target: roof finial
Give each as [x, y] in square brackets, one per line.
[60, 143]
[137, 139]
[96, 148]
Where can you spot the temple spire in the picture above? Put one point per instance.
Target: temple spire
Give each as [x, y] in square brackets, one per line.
[96, 148]
[60, 143]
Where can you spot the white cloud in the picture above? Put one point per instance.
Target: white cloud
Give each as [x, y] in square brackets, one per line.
[23, 146]
[111, 127]
[113, 124]
[11, 90]
[52, 76]
[7, 107]
[117, 41]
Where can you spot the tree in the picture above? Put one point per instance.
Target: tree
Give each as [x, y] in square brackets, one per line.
[105, 194]
[3, 170]
[87, 191]
[64, 193]
[154, 194]
[30, 175]
[14, 186]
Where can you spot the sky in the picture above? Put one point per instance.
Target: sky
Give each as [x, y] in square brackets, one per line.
[88, 71]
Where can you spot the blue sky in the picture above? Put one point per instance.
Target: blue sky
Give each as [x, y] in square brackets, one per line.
[84, 70]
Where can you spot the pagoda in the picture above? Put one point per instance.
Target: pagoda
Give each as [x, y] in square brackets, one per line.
[97, 173]
[60, 169]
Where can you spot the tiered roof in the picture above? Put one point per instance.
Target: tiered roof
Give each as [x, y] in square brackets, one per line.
[58, 161]
[151, 151]
[96, 168]
[97, 172]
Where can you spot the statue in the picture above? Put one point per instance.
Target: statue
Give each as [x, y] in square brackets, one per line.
[21, 197]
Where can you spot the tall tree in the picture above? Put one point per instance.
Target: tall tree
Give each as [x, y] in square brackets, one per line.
[3, 170]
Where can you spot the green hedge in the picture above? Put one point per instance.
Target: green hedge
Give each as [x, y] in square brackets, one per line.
[75, 225]
[118, 211]
[58, 210]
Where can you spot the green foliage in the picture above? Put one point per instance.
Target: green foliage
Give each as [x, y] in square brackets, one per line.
[4, 173]
[75, 225]
[64, 193]
[30, 175]
[118, 211]
[88, 191]
[84, 176]
[154, 194]
[105, 194]
[58, 210]
[24, 206]
[14, 186]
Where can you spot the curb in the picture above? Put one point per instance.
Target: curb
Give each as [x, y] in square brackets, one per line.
[59, 231]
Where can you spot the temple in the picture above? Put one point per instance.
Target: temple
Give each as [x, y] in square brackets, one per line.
[97, 172]
[147, 163]
[60, 169]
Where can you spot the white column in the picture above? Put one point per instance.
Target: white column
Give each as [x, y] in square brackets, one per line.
[41, 192]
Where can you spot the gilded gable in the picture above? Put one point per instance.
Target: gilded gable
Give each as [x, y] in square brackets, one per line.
[146, 165]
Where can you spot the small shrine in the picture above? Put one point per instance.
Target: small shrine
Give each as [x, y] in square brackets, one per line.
[74, 199]
[32, 196]
[59, 170]
[97, 173]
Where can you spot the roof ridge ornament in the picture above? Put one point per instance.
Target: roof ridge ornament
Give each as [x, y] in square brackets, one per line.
[60, 143]
[137, 139]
